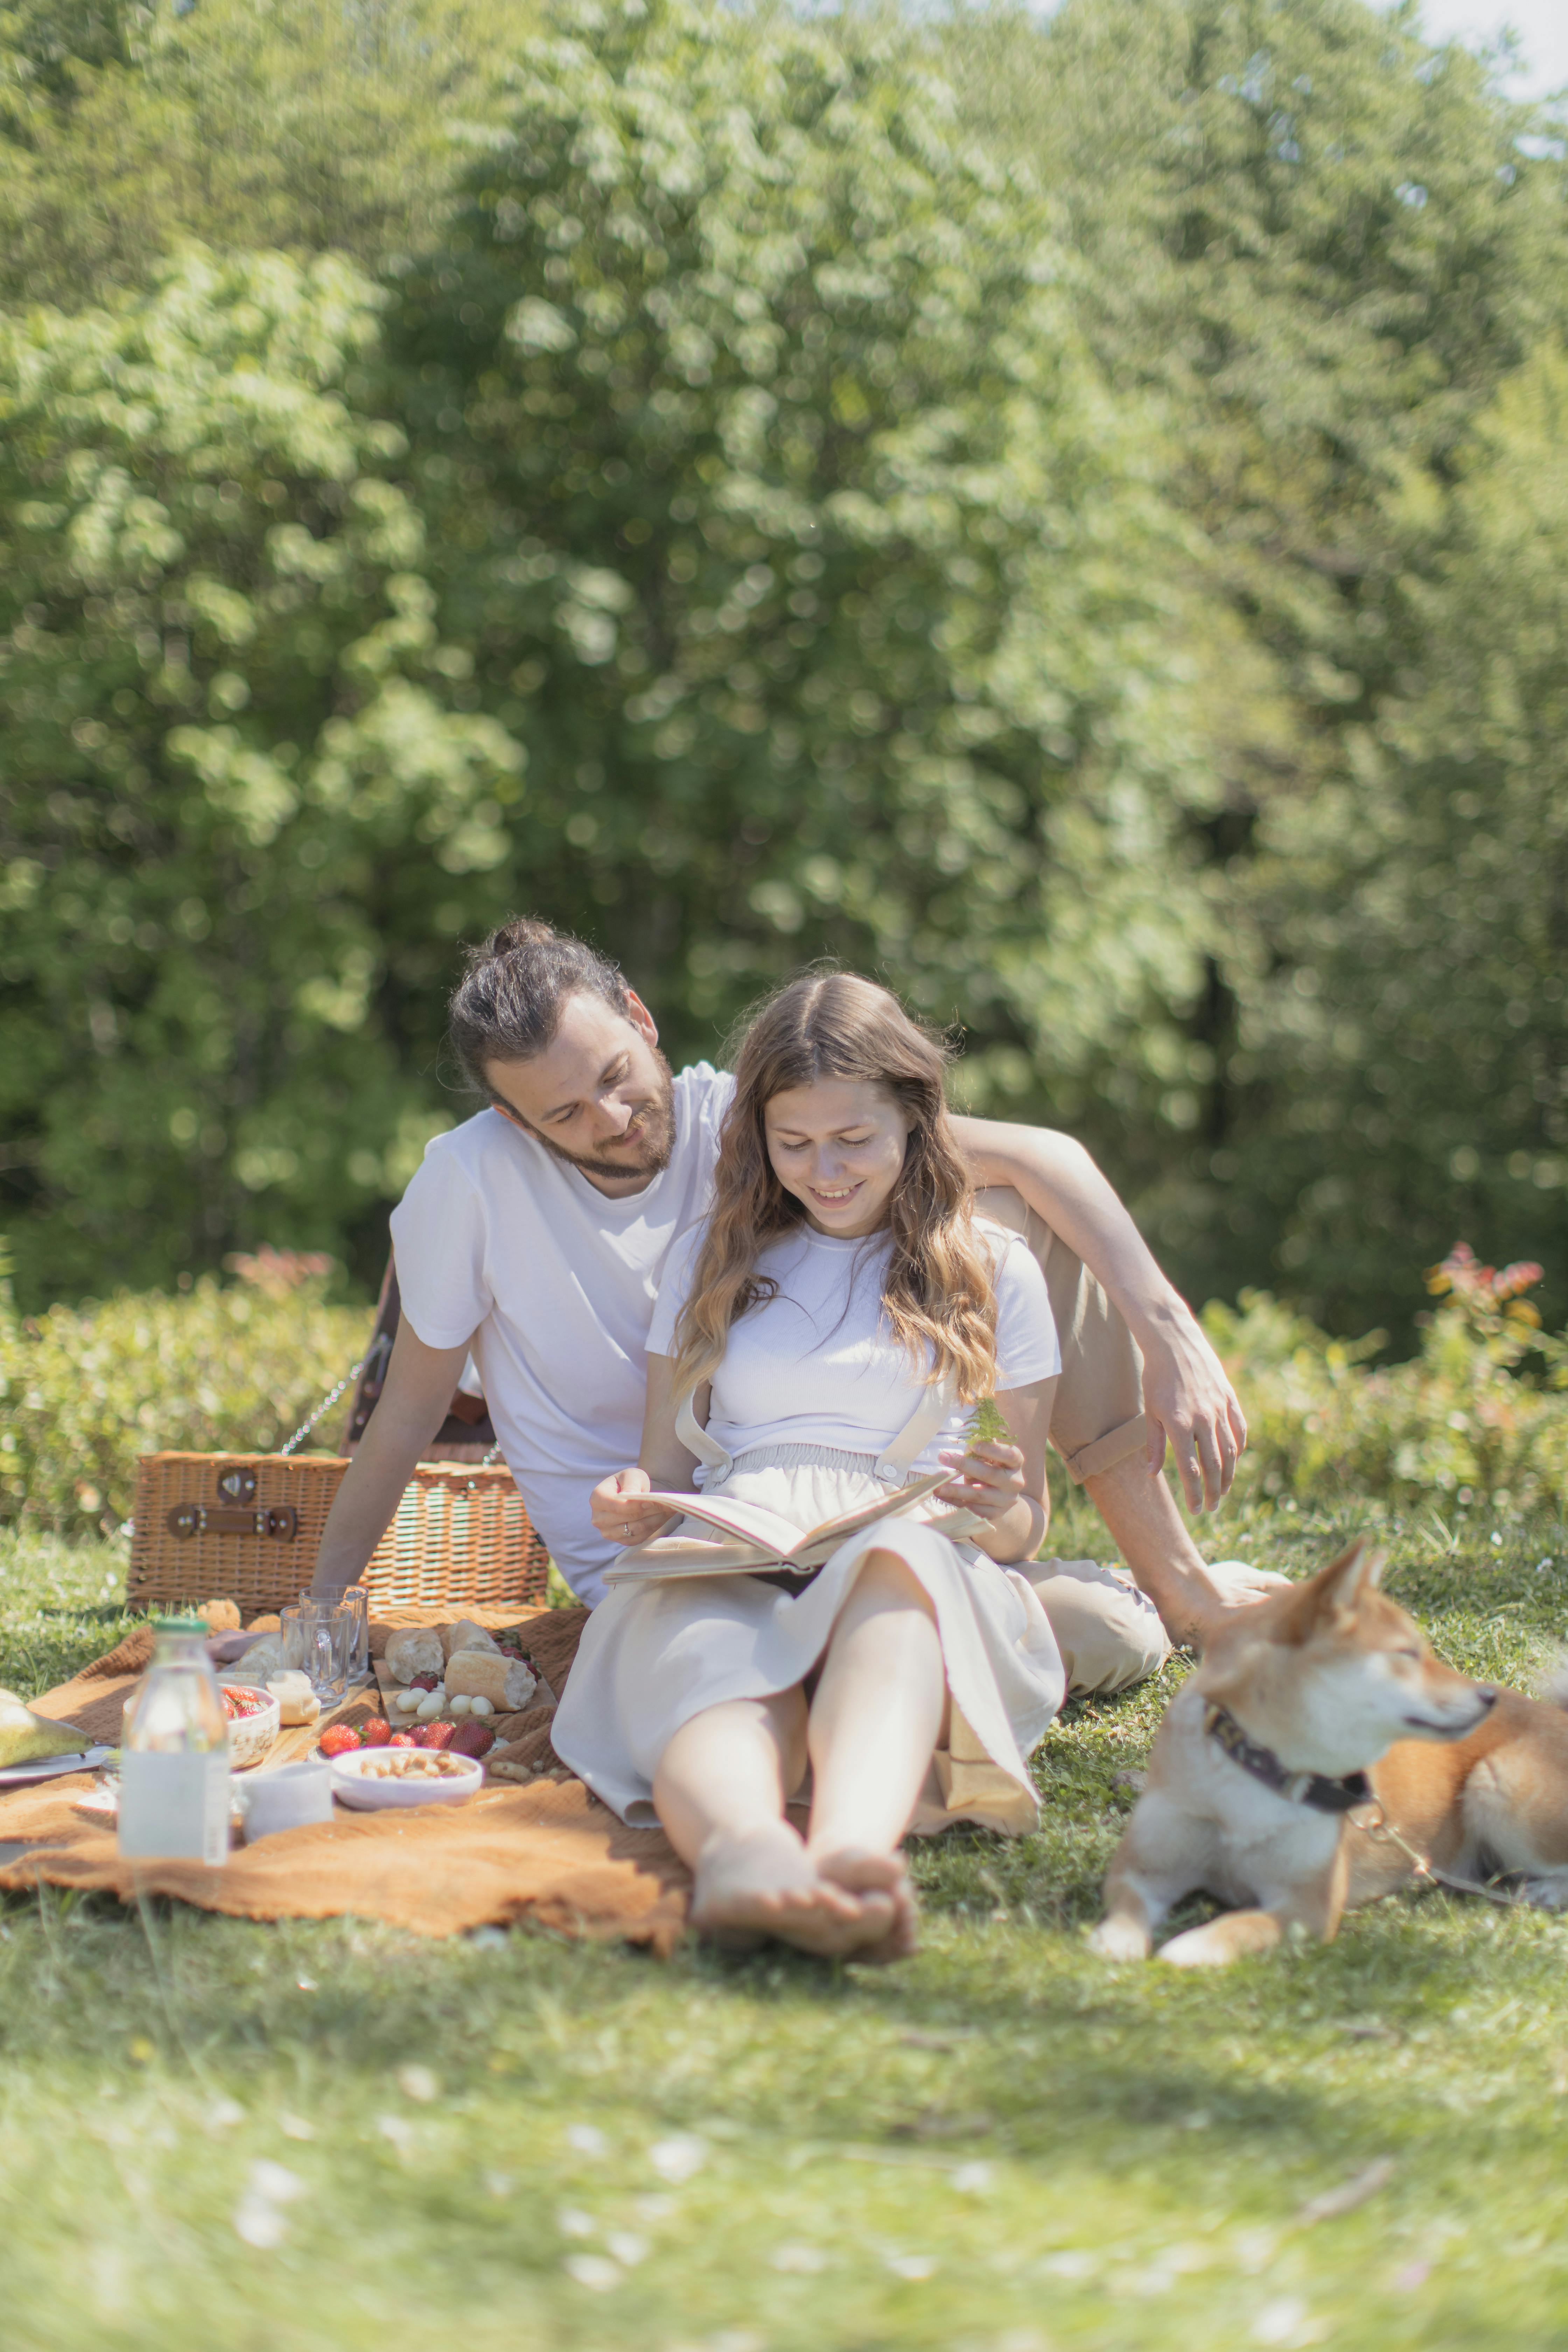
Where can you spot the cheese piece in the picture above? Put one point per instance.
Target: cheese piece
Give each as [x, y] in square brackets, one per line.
[506, 1683]
[297, 1701]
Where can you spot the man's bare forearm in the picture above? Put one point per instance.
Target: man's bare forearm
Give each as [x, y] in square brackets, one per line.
[413, 1405]
[1060, 1179]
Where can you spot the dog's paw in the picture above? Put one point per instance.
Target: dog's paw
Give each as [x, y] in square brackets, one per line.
[1119, 1939]
[1545, 1894]
[1198, 1947]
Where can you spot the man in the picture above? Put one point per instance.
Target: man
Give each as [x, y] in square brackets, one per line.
[535, 1235]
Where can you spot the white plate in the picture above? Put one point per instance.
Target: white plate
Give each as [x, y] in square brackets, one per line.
[48, 1767]
[368, 1796]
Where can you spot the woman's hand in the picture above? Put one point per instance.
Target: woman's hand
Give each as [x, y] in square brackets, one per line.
[619, 1511]
[990, 1484]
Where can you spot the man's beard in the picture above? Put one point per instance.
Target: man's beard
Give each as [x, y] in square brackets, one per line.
[651, 1155]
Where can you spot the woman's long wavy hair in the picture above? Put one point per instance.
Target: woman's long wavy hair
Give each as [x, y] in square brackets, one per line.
[937, 1293]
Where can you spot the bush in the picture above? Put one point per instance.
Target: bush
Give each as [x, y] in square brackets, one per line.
[84, 1390]
[1477, 1416]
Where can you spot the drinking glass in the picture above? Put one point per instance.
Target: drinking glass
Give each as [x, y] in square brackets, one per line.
[318, 1637]
[357, 1598]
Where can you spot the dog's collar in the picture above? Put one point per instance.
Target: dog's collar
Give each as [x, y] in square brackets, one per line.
[1314, 1790]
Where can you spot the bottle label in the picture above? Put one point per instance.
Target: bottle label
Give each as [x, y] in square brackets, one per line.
[174, 1808]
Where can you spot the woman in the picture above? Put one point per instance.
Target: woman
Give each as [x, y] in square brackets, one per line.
[818, 1343]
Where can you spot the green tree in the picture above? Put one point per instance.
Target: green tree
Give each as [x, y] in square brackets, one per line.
[238, 822]
[244, 123]
[793, 528]
[1324, 242]
[1417, 1035]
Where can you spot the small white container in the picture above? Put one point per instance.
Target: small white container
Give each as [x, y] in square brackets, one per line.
[290, 1796]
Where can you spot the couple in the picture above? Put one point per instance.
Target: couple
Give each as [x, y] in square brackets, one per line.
[540, 1236]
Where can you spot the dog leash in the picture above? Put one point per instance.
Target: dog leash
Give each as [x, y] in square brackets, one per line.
[1383, 1830]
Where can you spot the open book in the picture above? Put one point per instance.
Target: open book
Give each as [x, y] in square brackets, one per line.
[747, 1536]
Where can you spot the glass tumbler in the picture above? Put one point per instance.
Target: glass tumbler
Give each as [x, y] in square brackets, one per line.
[323, 1634]
[357, 1598]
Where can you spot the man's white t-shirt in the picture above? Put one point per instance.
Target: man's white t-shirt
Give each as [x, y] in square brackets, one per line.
[817, 1364]
[499, 1240]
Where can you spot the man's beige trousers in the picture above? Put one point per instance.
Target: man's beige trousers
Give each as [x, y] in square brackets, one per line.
[1109, 1632]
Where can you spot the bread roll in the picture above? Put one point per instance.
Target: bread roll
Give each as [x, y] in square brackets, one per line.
[506, 1683]
[414, 1650]
[260, 1659]
[222, 1616]
[465, 1635]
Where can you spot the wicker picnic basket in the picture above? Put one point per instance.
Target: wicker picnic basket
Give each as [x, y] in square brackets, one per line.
[245, 1527]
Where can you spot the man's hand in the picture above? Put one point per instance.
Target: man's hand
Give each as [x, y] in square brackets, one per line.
[620, 1513]
[1190, 1405]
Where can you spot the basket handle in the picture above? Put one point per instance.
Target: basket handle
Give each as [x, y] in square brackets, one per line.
[328, 1401]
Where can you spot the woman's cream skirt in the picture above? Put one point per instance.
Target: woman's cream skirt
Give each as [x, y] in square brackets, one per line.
[655, 1653]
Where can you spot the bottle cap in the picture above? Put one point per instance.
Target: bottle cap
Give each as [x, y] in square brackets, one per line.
[179, 1625]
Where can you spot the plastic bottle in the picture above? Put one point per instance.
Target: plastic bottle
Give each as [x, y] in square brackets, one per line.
[174, 1769]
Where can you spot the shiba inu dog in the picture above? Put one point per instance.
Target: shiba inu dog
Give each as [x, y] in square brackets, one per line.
[1316, 1713]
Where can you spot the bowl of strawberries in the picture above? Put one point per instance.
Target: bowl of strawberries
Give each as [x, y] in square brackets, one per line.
[254, 1716]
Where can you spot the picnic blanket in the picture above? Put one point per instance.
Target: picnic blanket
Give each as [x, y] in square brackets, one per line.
[545, 1852]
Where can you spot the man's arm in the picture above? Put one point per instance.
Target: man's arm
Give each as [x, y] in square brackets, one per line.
[414, 1403]
[1186, 1397]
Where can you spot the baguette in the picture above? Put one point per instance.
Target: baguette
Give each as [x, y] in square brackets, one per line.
[465, 1635]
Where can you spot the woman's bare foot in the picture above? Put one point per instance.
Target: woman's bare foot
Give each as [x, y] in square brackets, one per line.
[765, 1884]
[866, 1874]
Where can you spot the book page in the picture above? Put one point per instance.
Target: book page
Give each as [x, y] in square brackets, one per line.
[753, 1523]
[773, 1539]
[664, 1555]
[903, 1498]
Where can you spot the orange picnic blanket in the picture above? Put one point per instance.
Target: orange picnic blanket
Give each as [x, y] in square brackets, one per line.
[545, 1852]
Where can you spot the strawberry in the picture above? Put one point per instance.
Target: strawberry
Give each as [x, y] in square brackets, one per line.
[338, 1739]
[403, 1740]
[426, 1683]
[376, 1733]
[473, 1738]
[439, 1735]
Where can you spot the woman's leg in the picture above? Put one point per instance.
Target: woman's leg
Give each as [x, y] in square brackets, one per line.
[720, 1790]
[875, 1720]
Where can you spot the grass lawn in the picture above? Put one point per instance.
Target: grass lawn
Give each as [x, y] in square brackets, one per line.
[1000, 2146]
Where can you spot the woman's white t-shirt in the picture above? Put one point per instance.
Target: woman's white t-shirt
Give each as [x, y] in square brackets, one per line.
[499, 1239]
[818, 1365]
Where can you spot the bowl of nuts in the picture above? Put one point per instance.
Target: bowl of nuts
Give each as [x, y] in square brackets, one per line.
[369, 1778]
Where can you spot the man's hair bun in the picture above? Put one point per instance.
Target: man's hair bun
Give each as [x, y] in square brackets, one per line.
[507, 1006]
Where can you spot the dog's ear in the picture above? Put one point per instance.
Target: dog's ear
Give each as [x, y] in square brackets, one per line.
[1335, 1590]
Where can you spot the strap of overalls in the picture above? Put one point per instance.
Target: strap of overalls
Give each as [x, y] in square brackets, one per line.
[696, 1439]
[894, 1466]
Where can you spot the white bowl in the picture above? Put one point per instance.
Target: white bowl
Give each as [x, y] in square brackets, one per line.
[419, 1788]
[251, 1738]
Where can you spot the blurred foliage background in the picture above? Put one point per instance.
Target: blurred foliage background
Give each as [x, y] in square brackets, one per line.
[1070, 514]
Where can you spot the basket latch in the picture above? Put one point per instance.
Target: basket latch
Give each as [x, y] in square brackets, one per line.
[280, 1521]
